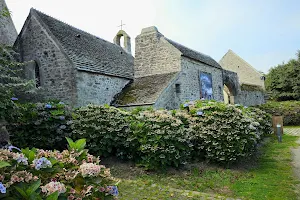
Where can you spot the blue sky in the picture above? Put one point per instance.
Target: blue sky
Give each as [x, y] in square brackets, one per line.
[263, 32]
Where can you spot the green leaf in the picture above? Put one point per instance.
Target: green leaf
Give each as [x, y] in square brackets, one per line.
[53, 196]
[31, 156]
[53, 161]
[4, 164]
[33, 187]
[80, 144]
[71, 143]
[22, 192]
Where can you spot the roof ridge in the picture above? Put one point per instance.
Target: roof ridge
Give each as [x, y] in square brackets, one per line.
[188, 47]
[85, 32]
[194, 54]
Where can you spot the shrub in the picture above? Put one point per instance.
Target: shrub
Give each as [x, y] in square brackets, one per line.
[106, 129]
[226, 132]
[290, 110]
[42, 125]
[152, 138]
[39, 174]
[160, 140]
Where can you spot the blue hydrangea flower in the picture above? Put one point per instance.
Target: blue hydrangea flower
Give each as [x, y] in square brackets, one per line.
[2, 188]
[114, 191]
[62, 103]
[22, 159]
[14, 99]
[200, 113]
[245, 106]
[41, 163]
[62, 118]
[48, 106]
[185, 105]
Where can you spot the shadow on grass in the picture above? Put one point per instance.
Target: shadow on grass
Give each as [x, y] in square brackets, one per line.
[266, 175]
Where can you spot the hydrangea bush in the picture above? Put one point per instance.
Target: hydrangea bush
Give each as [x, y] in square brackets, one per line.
[226, 133]
[152, 138]
[105, 128]
[159, 140]
[72, 174]
[42, 125]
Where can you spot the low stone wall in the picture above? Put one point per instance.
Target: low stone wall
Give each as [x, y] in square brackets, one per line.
[250, 98]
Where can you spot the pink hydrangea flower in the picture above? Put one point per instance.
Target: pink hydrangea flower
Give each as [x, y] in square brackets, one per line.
[53, 187]
[89, 169]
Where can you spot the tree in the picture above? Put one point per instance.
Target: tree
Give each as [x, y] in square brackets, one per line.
[12, 83]
[283, 81]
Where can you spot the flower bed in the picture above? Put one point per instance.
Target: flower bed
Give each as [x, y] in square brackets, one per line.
[42, 174]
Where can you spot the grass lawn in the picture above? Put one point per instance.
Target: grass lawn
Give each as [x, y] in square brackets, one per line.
[269, 176]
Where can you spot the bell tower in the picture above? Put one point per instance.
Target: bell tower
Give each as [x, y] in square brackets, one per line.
[127, 42]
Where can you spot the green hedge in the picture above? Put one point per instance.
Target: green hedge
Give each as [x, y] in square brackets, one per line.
[290, 110]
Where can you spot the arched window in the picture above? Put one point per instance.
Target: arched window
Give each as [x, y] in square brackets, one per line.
[37, 75]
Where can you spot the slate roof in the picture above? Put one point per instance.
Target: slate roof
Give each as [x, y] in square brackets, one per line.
[88, 52]
[187, 52]
[145, 90]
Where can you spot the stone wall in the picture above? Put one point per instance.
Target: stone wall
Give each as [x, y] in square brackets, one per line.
[154, 55]
[250, 98]
[189, 80]
[8, 32]
[247, 74]
[189, 83]
[57, 74]
[97, 89]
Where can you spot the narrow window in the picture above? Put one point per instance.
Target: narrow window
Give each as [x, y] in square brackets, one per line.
[37, 76]
[177, 88]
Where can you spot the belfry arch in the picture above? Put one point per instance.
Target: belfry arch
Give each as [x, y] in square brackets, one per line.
[127, 41]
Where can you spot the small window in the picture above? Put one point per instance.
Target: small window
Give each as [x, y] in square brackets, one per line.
[177, 88]
[263, 78]
[37, 76]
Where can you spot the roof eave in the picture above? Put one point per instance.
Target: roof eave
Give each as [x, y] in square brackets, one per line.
[106, 74]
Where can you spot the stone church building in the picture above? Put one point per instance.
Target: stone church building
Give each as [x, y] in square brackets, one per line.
[79, 68]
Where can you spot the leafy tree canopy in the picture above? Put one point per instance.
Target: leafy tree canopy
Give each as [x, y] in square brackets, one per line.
[283, 81]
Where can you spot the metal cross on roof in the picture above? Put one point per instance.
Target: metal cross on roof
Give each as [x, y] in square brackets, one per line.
[121, 25]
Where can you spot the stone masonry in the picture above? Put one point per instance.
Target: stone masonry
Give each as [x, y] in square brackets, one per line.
[154, 55]
[8, 32]
[92, 88]
[159, 57]
[246, 73]
[72, 65]
[56, 72]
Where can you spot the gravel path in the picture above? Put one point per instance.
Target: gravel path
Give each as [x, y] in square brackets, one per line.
[292, 131]
[296, 155]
